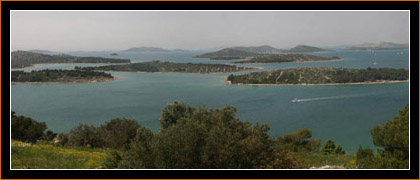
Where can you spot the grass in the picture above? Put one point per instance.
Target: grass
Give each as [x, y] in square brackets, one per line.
[48, 156]
[347, 161]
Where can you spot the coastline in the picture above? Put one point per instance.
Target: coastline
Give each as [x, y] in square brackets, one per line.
[251, 68]
[341, 59]
[37, 65]
[229, 83]
[70, 82]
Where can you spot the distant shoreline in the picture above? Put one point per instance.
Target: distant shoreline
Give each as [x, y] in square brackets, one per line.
[328, 84]
[341, 59]
[252, 68]
[70, 82]
[35, 65]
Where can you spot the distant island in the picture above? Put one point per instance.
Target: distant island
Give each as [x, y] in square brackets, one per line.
[59, 76]
[21, 59]
[306, 49]
[40, 51]
[157, 66]
[243, 52]
[265, 49]
[283, 58]
[379, 46]
[228, 54]
[146, 49]
[113, 54]
[320, 76]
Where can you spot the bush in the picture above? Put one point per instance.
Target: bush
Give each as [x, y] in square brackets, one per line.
[330, 148]
[118, 132]
[28, 130]
[299, 141]
[84, 135]
[113, 134]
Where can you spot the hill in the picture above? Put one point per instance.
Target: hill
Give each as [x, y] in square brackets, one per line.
[379, 46]
[228, 54]
[306, 49]
[21, 59]
[283, 58]
[321, 75]
[258, 49]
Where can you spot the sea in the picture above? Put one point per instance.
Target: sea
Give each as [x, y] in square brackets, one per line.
[343, 113]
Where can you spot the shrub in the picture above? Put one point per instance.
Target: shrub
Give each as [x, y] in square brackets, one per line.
[330, 148]
[26, 129]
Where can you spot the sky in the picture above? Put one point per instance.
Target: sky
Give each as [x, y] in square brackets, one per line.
[199, 30]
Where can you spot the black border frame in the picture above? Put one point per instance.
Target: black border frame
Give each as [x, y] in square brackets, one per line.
[6, 173]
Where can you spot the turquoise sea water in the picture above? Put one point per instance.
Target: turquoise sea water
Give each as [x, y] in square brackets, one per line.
[344, 113]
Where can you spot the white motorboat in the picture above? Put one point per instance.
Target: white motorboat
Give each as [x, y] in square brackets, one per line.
[295, 100]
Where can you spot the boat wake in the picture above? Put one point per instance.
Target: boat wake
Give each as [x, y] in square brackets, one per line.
[326, 98]
[343, 96]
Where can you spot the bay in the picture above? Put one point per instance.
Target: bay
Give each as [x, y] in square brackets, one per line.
[345, 113]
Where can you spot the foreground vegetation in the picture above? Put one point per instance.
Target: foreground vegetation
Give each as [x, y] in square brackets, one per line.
[393, 138]
[48, 156]
[60, 76]
[21, 59]
[198, 138]
[283, 58]
[157, 66]
[321, 75]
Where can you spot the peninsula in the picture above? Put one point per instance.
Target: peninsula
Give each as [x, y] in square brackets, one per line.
[157, 66]
[59, 76]
[321, 76]
[21, 59]
[283, 58]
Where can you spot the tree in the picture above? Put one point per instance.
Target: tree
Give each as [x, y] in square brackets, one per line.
[26, 129]
[172, 112]
[84, 135]
[299, 141]
[203, 138]
[118, 132]
[329, 147]
[393, 140]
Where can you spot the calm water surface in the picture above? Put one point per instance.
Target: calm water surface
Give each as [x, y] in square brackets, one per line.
[344, 114]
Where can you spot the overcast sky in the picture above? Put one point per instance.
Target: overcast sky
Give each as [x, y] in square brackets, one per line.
[119, 30]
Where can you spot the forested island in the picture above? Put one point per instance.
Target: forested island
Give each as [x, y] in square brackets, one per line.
[158, 66]
[320, 76]
[59, 76]
[265, 49]
[306, 49]
[21, 59]
[228, 54]
[283, 58]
